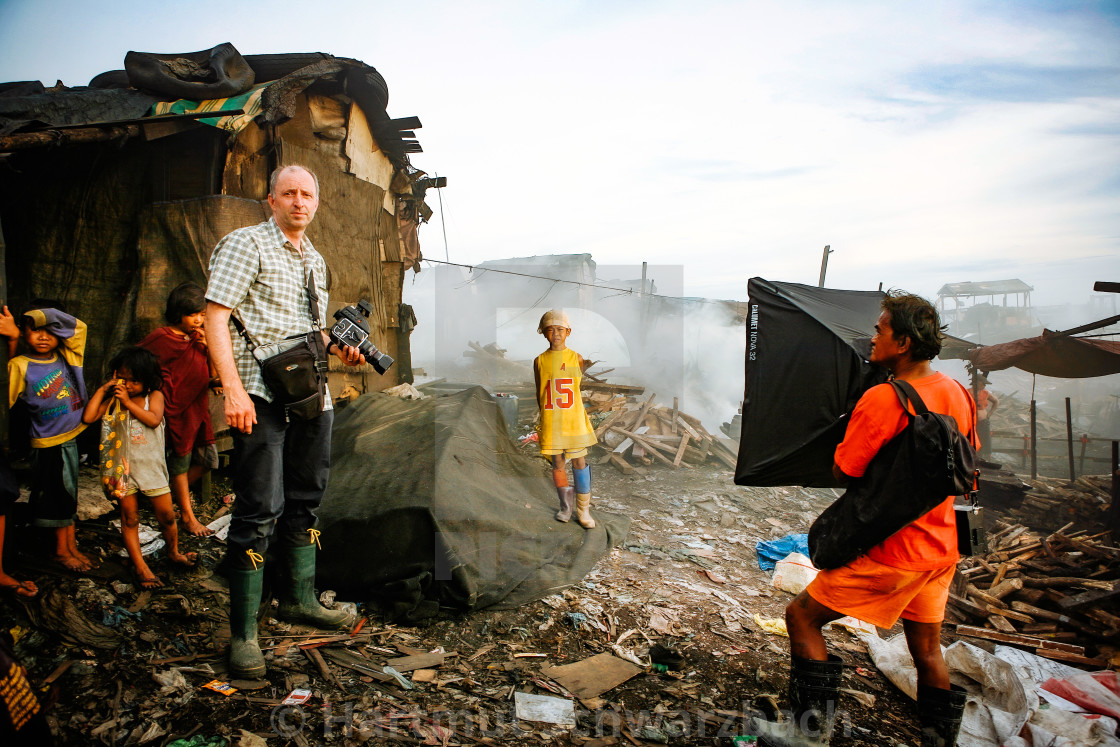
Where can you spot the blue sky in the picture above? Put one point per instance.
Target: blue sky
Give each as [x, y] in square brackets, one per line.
[926, 143]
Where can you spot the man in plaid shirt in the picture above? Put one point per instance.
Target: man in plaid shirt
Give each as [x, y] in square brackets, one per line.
[282, 466]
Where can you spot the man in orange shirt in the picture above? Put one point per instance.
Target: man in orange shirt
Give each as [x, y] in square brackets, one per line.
[908, 574]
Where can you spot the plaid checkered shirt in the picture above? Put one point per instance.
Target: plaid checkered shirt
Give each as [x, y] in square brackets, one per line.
[259, 274]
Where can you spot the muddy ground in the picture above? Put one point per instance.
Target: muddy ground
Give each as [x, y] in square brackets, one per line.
[117, 665]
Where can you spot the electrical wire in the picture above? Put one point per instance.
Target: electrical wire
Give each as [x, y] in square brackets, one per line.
[621, 291]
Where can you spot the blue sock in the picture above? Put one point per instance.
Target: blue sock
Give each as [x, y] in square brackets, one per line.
[583, 479]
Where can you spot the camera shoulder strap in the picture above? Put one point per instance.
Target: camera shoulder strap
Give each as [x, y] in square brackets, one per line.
[315, 336]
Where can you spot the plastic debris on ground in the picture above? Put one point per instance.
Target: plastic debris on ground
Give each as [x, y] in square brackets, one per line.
[774, 625]
[545, 708]
[793, 573]
[220, 526]
[1004, 704]
[769, 552]
[151, 541]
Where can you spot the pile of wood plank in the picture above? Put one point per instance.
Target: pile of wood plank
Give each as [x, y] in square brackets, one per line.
[1052, 502]
[1056, 593]
[644, 433]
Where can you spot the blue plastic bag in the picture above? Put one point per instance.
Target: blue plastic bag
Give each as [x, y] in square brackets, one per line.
[771, 551]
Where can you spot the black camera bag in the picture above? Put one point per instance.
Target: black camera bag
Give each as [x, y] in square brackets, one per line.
[913, 472]
[295, 379]
[297, 376]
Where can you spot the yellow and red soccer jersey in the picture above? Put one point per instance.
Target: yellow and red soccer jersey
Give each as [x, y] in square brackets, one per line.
[564, 422]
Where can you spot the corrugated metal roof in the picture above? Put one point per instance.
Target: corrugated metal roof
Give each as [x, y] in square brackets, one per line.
[985, 288]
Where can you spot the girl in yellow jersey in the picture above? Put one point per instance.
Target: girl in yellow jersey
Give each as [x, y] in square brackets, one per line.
[565, 430]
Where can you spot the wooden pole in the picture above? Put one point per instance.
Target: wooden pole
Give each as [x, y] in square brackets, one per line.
[1115, 508]
[824, 264]
[1034, 440]
[1069, 440]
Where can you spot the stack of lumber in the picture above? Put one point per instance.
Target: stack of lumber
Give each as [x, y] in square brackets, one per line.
[644, 433]
[1052, 502]
[1057, 593]
[594, 385]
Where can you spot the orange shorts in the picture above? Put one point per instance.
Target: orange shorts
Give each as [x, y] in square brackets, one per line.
[880, 594]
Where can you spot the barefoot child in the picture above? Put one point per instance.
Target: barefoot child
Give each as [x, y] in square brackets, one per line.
[565, 431]
[181, 349]
[135, 384]
[48, 379]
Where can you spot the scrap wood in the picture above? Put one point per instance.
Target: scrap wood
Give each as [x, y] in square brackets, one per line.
[593, 386]
[482, 650]
[1062, 581]
[968, 606]
[984, 597]
[418, 661]
[608, 422]
[1011, 614]
[622, 465]
[348, 660]
[1001, 623]
[1019, 639]
[647, 444]
[317, 659]
[1056, 617]
[1089, 597]
[680, 451]
[641, 413]
[1003, 588]
[1073, 658]
[58, 671]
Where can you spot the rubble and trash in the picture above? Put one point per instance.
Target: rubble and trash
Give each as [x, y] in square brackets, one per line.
[591, 654]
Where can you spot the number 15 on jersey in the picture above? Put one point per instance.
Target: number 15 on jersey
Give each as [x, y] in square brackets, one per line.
[564, 396]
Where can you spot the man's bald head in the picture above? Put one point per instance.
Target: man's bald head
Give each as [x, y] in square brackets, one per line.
[276, 174]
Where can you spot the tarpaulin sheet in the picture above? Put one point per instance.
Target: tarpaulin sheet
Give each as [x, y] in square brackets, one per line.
[1057, 355]
[249, 103]
[430, 502]
[806, 367]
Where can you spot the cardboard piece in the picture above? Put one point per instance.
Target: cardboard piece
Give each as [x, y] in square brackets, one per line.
[593, 677]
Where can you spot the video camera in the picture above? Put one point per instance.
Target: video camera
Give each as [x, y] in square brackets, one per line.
[351, 328]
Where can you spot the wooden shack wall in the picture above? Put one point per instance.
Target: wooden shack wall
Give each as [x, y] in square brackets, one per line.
[72, 219]
[110, 229]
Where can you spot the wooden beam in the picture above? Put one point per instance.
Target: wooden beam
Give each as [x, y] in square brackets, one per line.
[680, 451]
[621, 464]
[29, 140]
[1020, 640]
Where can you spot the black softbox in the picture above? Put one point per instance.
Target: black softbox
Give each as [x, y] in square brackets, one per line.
[806, 367]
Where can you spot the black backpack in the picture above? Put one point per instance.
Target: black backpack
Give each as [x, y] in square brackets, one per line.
[914, 472]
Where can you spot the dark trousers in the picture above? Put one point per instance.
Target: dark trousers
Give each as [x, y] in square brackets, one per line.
[54, 485]
[280, 475]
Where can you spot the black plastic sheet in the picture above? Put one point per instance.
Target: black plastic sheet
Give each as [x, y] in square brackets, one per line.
[806, 367]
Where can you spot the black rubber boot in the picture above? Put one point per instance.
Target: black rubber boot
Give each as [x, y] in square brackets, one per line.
[245, 659]
[298, 602]
[814, 687]
[939, 713]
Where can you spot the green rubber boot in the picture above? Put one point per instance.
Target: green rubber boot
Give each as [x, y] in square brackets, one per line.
[245, 659]
[298, 602]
